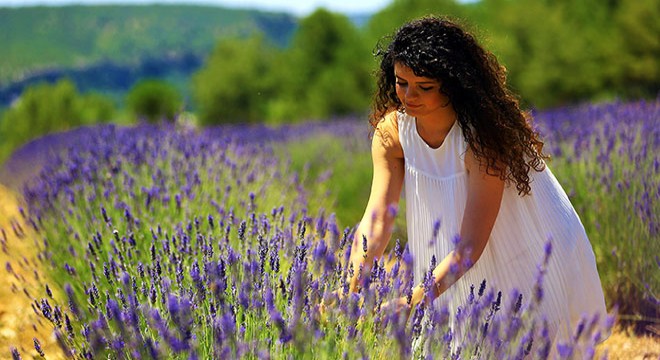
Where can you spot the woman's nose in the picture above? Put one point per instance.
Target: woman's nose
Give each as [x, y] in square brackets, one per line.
[411, 93]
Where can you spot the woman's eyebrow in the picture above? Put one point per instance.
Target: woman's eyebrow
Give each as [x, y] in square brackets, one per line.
[419, 82]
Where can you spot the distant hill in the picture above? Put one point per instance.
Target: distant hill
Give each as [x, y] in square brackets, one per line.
[42, 42]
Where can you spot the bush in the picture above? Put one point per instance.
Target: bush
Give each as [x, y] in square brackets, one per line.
[154, 100]
[235, 85]
[47, 108]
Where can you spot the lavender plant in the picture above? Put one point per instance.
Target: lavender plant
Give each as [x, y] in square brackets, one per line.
[176, 243]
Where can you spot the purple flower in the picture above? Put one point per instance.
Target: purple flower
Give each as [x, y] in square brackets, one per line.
[106, 218]
[538, 286]
[518, 304]
[482, 288]
[564, 350]
[67, 326]
[544, 350]
[354, 306]
[407, 257]
[285, 334]
[196, 277]
[73, 306]
[152, 349]
[46, 310]
[456, 239]
[320, 250]
[454, 267]
[241, 231]
[610, 319]
[579, 329]
[228, 322]
[392, 210]
[547, 251]
[244, 295]
[37, 346]
[429, 283]
[14, 353]
[418, 316]
[118, 344]
[344, 239]
[112, 311]
[436, 230]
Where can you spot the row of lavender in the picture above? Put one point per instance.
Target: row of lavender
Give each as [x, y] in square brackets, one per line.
[170, 242]
[608, 158]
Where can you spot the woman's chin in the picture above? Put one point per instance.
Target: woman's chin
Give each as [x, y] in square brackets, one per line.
[413, 111]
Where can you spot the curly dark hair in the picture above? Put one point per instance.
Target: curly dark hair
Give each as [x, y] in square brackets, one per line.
[494, 126]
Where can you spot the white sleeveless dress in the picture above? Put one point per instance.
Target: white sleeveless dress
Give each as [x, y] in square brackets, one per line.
[436, 190]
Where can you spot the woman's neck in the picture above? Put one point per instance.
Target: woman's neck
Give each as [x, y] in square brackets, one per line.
[434, 128]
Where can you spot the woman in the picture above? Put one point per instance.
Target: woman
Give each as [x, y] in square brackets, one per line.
[480, 198]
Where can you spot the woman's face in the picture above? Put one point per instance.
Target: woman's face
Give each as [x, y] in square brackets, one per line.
[421, 96]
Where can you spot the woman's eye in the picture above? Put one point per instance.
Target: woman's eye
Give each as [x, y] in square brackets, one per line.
[401, 83]
[426, 88]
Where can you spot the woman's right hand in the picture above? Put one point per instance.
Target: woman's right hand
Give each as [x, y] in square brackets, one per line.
[401, 305]
[330, 302]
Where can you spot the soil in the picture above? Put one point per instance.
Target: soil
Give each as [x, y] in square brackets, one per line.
[20, 285]
[623, 345]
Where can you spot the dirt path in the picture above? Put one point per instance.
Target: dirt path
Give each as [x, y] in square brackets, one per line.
[20, 282]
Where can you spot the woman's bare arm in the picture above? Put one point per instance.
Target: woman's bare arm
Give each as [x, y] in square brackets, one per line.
[388, 172]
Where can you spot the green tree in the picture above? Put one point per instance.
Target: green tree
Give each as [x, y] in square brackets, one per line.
[46, 108]
[96, 108]
[556, 51]
[639, 35]
[569, 51]
[386, 21]
[325, 72]
[235, 82]
[154, 100]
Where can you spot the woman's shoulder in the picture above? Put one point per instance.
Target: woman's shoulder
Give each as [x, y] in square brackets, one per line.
[389, 122]
[387, 134]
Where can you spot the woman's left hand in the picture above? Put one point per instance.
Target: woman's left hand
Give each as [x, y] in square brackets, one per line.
[400, 306]
[397, 306]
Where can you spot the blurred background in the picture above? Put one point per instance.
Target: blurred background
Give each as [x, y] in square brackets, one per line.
[66, 65]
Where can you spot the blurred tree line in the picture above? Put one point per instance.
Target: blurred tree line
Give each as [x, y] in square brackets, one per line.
[47, 108]
[324, 72]
[556, 52]
[109, 77]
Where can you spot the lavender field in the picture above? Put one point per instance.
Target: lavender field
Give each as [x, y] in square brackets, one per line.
[175, 242]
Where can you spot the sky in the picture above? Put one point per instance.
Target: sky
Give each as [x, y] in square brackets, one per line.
[296, 7]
